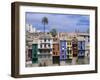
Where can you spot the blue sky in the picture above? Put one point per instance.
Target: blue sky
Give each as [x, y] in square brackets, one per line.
[61, 22]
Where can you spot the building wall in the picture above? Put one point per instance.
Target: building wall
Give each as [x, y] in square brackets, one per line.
[44, 59]
[62, 50]
[81, 48]
[61, 47]
[34, 53]
[45, 50]
[75, 47]
[28, 54]
[55, 53]
[69, 49]
[87, 49]
[45, 45]
[62, 35]
[55, 49]
[86, 38]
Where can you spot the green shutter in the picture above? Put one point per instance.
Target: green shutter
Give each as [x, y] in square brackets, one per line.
[34, 53]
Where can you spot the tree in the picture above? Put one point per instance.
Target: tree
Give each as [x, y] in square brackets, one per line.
[44, 22]
[88, 30]
[53, 32]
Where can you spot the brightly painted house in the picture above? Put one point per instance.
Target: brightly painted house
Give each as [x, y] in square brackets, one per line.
[45, 50]
[85, 37]
[81, 48]
[55, 50]
[34, 53]
[62, 50]
[75, 46]
[69, 53]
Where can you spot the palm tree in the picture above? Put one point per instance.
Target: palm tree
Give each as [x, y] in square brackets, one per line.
[44, 22]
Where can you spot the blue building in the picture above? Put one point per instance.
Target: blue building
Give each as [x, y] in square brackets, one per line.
[81, 49]
[62, 50]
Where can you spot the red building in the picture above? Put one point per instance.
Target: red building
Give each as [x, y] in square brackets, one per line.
[75, 47]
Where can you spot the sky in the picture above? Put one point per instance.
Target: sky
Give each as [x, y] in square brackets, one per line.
[61, 22]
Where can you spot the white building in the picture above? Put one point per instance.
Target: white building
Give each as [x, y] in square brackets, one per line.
[45, 50]
[31, 29]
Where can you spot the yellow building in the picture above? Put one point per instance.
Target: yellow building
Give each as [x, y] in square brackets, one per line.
[69, 53]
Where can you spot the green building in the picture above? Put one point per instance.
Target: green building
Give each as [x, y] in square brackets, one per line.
[34, 53]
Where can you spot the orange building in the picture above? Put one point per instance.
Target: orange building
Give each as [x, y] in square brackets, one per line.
[55, 50]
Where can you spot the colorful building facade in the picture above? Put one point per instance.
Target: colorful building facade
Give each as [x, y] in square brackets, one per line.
[81, 48]
[55, 51]
[34, 53]
[69, 53]
[45, 50]
[86, 37]
[62, 50]
[75, 47]
[32, 47]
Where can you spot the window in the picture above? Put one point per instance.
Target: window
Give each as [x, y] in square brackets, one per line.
[70, 43]
[40, 51]
[53, 48]
[44, 40]
[30, 53]
[40, 45]
[54, 53]
[68, 48]
[49, 51]
[81, 47]
[34, 55]
[62, 51]
[88, 39]
[44, 45]
[48, 45]
[62, 56]
[81, 53]
[68, 51]
[48, 39]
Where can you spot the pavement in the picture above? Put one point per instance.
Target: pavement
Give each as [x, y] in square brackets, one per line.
[74, 61]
